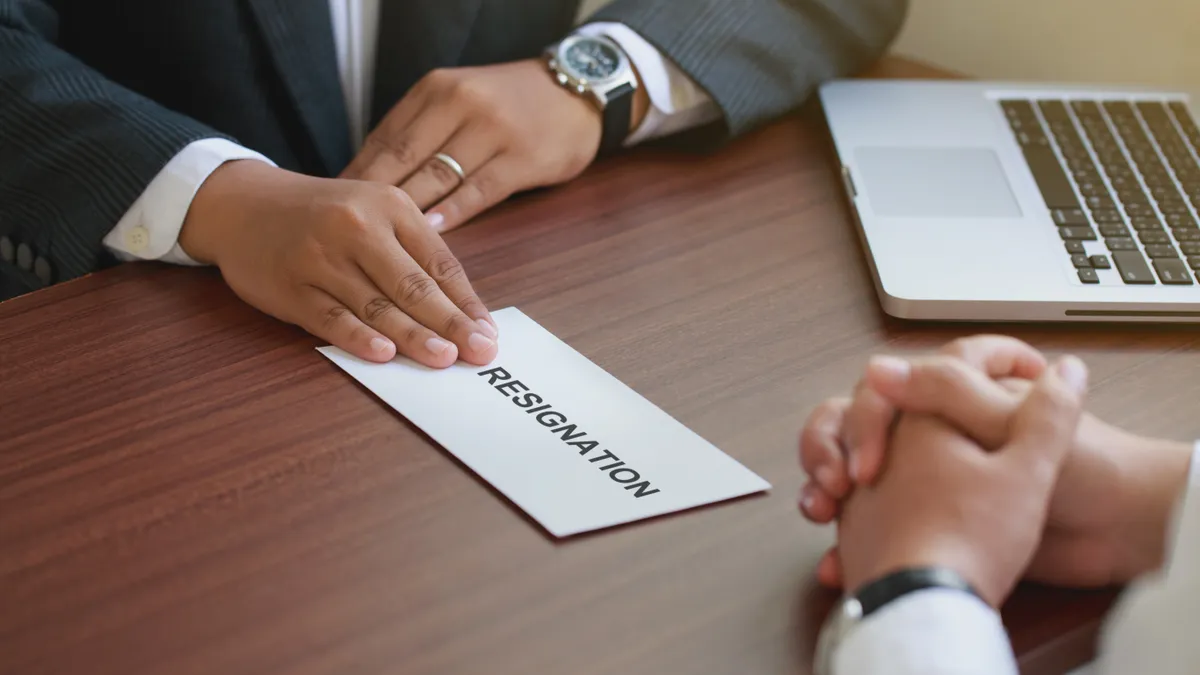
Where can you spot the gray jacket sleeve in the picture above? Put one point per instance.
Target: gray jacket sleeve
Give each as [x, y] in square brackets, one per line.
[762, 58]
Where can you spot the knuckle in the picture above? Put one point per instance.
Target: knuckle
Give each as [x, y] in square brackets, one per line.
[439, 78]
[332, 316]
[399, 147]
[455, 323]
[444, 267]
[469, 92]
[413, 335]
[413, 289]
[377, 308]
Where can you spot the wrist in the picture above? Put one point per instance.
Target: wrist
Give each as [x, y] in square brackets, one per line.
[1155, 480]
[942, 554]
[217, 207]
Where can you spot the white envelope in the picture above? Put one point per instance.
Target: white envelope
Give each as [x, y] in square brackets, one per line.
[568, 443]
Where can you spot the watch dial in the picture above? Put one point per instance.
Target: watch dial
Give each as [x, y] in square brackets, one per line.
[592, 59]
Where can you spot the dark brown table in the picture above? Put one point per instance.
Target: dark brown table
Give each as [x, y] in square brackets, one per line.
[186, 486]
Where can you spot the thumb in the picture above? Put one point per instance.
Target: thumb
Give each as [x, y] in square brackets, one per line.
[1043, 428]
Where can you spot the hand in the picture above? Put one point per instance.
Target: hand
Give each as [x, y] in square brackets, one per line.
[1108, 517]
[944, 501]
[511, 127]
[351, 262]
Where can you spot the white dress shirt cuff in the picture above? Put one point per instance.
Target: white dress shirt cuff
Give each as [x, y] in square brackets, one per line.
[677, 103]
[937, 631]
[149, 230]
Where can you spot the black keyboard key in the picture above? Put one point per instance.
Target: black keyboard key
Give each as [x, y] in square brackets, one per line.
[1081, 261]
[1051, 179]
[1132, 267]
[1189, 248]
[1121, 244]
[1099, 202]
[1173, 272]
[1146, 223]
[1077, 232]
[1194, 263]
[1187, 235]
[1113, 230]
[1100, 262]
[1089, 276]
[1106, 216]
[1075, 246]
[1086, 109]
[1018, 109]
[1151, 237]
[1162, 251]
[1070, 217]
[1135, 209]
[1169, 208]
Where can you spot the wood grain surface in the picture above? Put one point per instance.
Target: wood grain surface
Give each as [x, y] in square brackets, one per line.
[187, 487]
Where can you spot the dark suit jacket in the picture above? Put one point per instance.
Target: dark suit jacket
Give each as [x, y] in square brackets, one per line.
[97, 95]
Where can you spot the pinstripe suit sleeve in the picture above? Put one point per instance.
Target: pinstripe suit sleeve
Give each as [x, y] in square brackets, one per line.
[75, 148]
[762, 58]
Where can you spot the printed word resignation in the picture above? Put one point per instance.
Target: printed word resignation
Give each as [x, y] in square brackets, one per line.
[558, 425]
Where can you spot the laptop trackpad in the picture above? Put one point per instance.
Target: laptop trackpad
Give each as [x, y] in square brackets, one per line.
[936, 183]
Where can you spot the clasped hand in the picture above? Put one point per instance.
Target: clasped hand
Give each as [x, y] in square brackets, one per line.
[979, 459]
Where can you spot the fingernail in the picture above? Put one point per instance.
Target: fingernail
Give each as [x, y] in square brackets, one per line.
[380, 345]
[480, 342]
[487, 328]
[435, 220]
[891, 369]
[806, 501]
[437, 346]
[1073, 372]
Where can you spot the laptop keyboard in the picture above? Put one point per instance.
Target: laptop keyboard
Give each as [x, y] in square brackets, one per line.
[1126, 173]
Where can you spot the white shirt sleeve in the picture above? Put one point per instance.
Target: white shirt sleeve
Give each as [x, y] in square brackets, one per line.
[938, 631]
[1152, 630]
[677, 103]
[149, 230]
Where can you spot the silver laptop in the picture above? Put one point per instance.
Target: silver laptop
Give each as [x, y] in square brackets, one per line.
[1015, 202]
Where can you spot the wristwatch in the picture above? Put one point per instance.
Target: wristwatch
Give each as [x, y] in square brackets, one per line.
[597, 68]
[872, 597]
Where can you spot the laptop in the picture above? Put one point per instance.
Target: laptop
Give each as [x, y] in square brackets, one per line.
[984, 201]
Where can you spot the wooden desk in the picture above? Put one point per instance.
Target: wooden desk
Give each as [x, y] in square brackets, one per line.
[187, 487]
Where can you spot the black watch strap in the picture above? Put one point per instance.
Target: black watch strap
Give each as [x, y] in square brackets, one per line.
[880, 592]
[617, 114]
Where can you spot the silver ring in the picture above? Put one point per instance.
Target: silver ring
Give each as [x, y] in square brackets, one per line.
[454, 166]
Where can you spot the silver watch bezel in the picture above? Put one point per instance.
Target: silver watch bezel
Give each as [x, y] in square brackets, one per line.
[595, 90]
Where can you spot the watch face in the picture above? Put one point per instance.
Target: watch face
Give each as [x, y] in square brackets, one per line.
[592, 60]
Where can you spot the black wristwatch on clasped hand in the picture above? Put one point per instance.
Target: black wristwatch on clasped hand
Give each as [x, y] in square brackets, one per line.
[872, 597]
[597, 68]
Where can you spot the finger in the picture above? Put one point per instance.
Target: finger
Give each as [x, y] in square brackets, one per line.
[411, 268]
[950, 388]
[330, 320]
[430, 252]
[393, 151]
[1044, 426]
[829, 569]
[470, 146]
[816, 505]
[419, 296]
[865, 434]
[374, 308]
[1000, 356]
[489, 185]
[821, 454]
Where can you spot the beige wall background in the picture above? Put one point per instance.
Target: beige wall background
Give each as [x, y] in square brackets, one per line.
[1154, 42]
